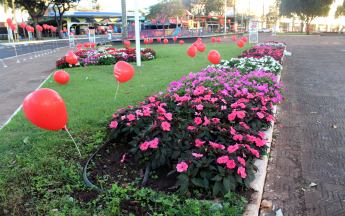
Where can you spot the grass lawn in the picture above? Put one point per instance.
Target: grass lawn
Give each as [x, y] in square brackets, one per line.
[40, 169]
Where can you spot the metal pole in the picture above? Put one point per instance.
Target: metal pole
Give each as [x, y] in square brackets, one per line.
[225, 17]
[137, 32]
[15, 19]
[242, 22]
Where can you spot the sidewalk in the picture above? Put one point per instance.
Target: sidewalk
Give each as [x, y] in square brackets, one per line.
[17, 80]
[310, 146]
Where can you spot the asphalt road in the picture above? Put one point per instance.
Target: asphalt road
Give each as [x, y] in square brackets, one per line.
[7, 51]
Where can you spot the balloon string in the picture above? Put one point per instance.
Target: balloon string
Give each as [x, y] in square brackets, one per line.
[72, 139]
[205, 56]
[193, 61]
[15, 51]
[3, 63]
[117, 90]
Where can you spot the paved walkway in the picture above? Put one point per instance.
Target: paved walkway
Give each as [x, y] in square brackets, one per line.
[310, 146]
[17, 80]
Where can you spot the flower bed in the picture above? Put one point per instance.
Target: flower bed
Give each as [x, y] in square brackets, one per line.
[267, 49]
[106, 56]
[209, 126]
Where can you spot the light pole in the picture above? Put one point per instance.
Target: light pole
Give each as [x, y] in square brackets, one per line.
[137, 32]
[225, 17]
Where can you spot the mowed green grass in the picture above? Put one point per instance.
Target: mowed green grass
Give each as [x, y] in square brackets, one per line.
[34, 160]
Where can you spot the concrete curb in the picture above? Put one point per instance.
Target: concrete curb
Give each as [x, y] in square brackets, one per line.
[260, 176]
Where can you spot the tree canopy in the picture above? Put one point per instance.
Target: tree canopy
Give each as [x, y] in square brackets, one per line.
[60, 7]
[166, 8]
[340, 11]
[307, 10]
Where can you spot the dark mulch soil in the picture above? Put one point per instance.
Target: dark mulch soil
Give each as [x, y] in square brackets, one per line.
[107, 166]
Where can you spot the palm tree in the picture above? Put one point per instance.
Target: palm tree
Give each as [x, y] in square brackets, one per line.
[124, 20]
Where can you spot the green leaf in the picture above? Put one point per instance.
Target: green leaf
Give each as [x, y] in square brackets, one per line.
[163, 159]
[182, 177]
[206, 182]
[195, 172]
[175, 154]
[184, 186]
[171, 172]
[221, 169]
[226, 183]
[198, 182]
[217, 187]
[238, 178]
[136, 130]
[217, 178]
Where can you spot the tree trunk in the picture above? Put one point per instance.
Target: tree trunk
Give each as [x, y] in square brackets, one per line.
[124, 20]
[302, 26]
[38, 33]
[307, 25]
[60, 26]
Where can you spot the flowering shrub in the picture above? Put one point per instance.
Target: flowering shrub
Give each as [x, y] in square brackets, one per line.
[251, 64]
[259, 51]
[208, 127]
[106, 56]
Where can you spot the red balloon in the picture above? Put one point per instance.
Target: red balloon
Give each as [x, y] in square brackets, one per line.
[13, 27]
[214, 57]
[154, 21]
[129, 36]
[71, 58]
[46, 109]
[72, 32]
[65, 30]
[218, 16]
[174, 38]
[75, 36]
[219, 39]
[146, 41]
[133, 24]
[22, 24]
[191, 51]
[61, 31]
[100, 28]
[32, 29]
[134, 37]
[142, 37]
[87, 44]
[110, 27]
[9, 21]
[27, 28]
[181, 42]
[93, 44]
[61, 77]
[240, 43]
[233, 38]
[199, 39]
[213, 39]
[150, 40]
[146, 36]
[87, 29]
[166, 41]
[164, 36]
[159, 39]
[244, 39]
[95, 31]
[201, 47]
[123, 71]
[189, 35]
[209, 16]
[178, 35]
[79, 45]
[162, 21]
[195, 35]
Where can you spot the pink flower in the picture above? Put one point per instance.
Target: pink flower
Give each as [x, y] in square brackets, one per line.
[244, 125]
[115, 115]
[260, 115]
[199, 143]
[231, 164]
[223, 107]
[255, 152]
[168, 116]
[190, 127]
[270, 117]
[161, 110]
[147, 112]
[207, 121]
[130, 107]
[154, 143]
[128, 124]
[123, 158]
[223, 159]
[238, 137]
[161, 118]
[144, 146]
[241, 114]
[123, 117]
[261, 134]
[131, 117]
[113, 124]
[199, 107]
[139, 113]
[232, 131]
[197, 155]
[182, 167]
[152, 99]
[232, 116]
[242, 171]
[216, 120]
[241, 160]
[259, 142]
[217, 146]
[197, 120]
[232, 149]
[166, 126]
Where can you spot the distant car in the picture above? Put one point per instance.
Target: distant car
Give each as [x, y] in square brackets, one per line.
[264, 30]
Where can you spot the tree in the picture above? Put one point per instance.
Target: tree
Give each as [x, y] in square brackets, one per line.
[166, 9]
[35, 9]
[273, 14]
[339, 13]
[60, 7]
[124, 20]
[306, 10]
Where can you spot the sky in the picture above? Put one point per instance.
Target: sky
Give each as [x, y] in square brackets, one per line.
[115, 5]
